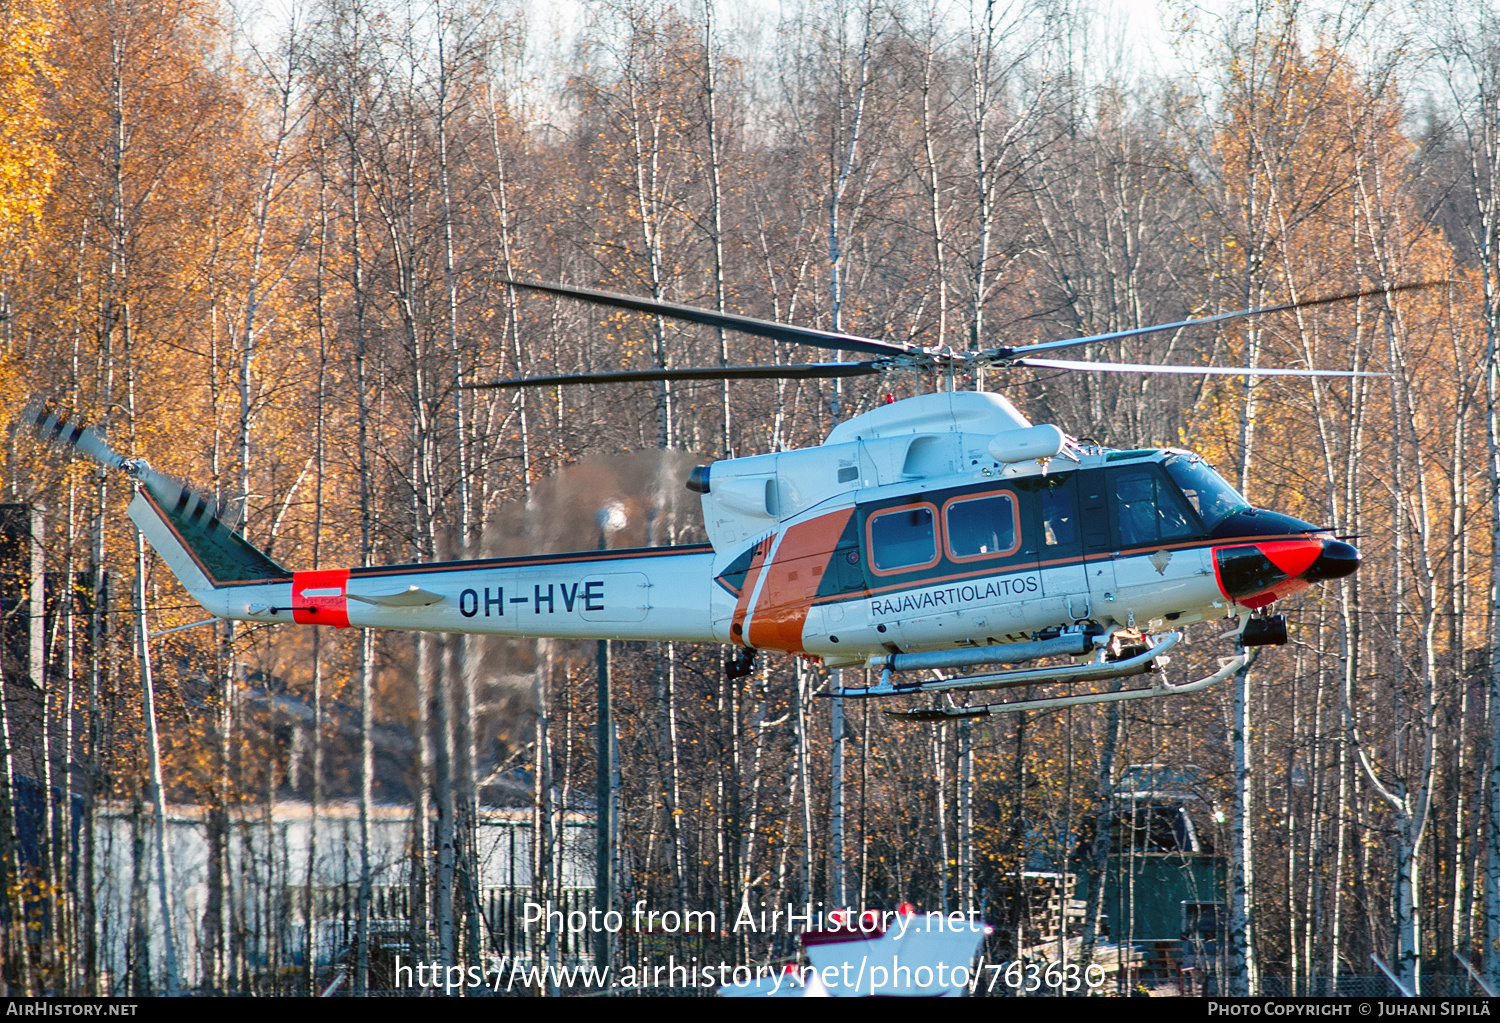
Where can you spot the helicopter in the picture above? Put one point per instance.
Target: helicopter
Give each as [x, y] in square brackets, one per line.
[943, 532]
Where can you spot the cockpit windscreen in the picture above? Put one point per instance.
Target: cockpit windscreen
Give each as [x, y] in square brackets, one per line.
[1213, 498]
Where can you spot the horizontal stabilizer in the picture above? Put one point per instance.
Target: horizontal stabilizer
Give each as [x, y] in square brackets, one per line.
[412, 596]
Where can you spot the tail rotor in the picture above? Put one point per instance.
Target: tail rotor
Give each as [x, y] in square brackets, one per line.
[52, 426]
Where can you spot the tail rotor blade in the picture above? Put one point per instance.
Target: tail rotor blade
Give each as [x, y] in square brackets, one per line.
[52, 427]
[177, 497]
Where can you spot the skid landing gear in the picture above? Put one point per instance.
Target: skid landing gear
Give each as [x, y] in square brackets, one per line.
[1099, 669]
[1227, 667]
[1111, 661]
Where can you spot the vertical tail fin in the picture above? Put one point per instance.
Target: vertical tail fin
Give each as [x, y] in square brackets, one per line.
[196, 543]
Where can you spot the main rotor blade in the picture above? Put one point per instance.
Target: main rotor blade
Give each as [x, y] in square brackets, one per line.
[1136, 367]
[729, 321]
[803, 371]
[1047, 346]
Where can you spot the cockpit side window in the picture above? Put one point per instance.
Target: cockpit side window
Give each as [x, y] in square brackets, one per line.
[1146, 511]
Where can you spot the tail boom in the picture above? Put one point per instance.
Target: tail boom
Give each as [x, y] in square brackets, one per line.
[653, 593]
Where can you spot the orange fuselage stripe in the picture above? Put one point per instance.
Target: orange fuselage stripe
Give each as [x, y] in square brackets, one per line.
[747, 590]
[792, 581]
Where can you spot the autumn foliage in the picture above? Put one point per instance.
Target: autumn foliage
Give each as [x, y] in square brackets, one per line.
[263, 256]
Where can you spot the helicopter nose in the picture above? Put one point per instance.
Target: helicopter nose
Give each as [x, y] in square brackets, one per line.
[1255, 574]
[1337, 560]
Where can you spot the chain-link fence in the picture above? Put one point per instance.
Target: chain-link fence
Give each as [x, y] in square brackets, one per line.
[1434, 985]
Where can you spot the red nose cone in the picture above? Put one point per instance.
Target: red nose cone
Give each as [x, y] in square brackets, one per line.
[1293, 557]
[1257, 574]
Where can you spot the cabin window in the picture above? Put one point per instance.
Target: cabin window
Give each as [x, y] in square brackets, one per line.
[1061, 526]
[981, 527]
[1059, 518]
[903, 538]
[1147, 512]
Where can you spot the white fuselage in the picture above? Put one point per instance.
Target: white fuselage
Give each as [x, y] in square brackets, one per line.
[790, 566]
